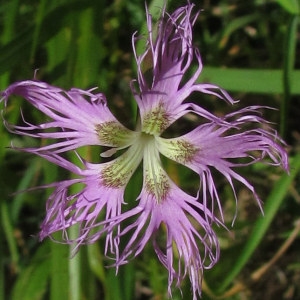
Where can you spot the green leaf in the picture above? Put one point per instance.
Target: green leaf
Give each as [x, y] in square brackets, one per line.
[250, 80]
[292, 6]
[59, 269]
[32, 282]
[235, 25]
[15, 51]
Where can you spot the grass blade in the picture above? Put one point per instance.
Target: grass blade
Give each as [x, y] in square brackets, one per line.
[250, 80]
[289, 62]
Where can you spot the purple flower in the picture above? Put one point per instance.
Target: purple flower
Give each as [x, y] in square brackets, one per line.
[81, 118]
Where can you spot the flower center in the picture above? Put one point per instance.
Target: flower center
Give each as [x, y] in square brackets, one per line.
[117, 173]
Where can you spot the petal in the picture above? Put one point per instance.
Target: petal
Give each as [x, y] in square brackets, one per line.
[224, 148]
[188, 224]
[79, 118]
[94, 203]
[97, 203]
[165, 61]
[163, 82]
[190, 244]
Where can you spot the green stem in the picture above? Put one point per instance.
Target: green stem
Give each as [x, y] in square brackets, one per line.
[59, 270]
[9, 234]
[289, 62]
[38, 24]
[74, 269]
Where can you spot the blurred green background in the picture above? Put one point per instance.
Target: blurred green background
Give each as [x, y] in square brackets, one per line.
[251, 48]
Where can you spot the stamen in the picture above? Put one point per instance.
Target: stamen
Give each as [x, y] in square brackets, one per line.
[114, 134]
[156, 120]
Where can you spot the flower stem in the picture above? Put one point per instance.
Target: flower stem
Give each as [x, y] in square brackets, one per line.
[289, 61]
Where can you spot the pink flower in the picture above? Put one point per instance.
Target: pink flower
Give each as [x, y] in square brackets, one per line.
[81, 118]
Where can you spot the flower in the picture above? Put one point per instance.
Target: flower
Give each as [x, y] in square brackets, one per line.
[82, 118]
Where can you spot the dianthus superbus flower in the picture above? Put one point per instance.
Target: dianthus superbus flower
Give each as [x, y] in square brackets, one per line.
[82, 118]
